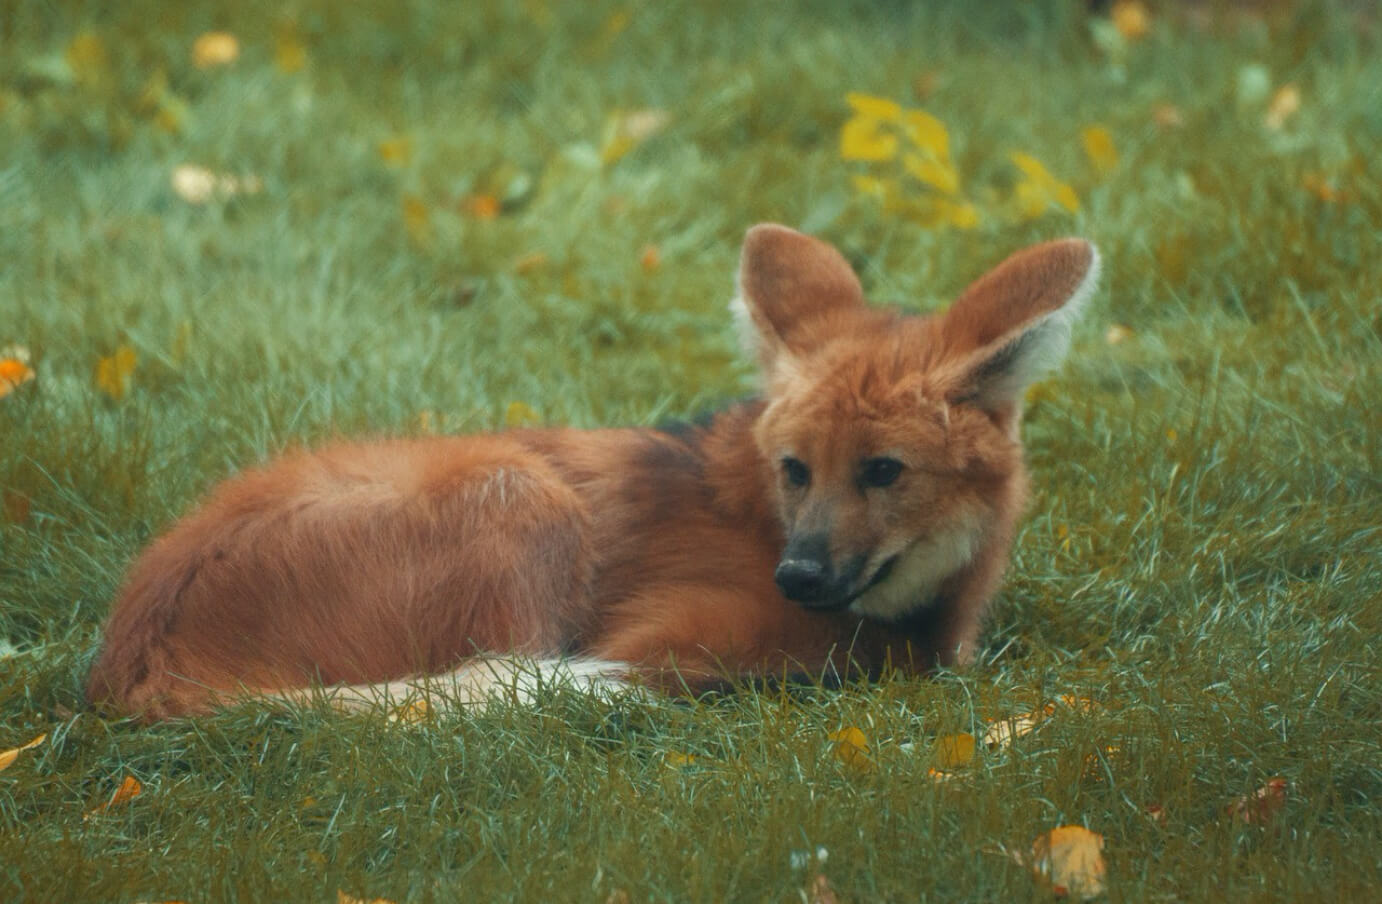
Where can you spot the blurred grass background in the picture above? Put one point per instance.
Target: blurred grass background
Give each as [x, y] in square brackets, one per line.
[442, 210]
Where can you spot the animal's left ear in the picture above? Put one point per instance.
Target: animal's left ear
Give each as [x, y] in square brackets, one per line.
[792, 288]
[1013, 324]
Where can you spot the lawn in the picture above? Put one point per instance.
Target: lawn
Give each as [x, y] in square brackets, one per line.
[399, 219]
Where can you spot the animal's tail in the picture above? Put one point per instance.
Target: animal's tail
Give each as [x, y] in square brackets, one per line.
[479, 682]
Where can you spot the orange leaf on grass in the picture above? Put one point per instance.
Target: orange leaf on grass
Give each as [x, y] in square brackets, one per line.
[129, 789]
[113, 373]
[650, 258]
[343, 898]
[14, 369]
[7, 757]
[482, 207]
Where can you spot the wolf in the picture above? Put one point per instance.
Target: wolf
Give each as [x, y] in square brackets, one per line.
[855, 517]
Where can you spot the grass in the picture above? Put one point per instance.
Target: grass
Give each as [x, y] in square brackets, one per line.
[1202, 556]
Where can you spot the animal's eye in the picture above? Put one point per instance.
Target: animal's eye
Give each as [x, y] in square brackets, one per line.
[796, 472]
[879, 472]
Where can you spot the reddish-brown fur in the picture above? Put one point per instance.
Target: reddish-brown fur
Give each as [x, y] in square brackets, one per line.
[363, 563]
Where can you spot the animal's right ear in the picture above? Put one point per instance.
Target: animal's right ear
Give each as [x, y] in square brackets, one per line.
[790, 285]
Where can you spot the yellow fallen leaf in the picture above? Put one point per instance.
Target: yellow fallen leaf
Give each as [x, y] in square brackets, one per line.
[397, 150]
[673, 758]
[416, 220]
[129, 789]
[1131, 19]
[1285, 104]
[650, 258]
[938, 174]
[852, 749]
[874, 107]
[1036, 193]
[534, 260]
[1259, 807]
[290, 54]
[113, 373]
[7, 757]
[87, 57]
[215, 48]
[1098, 147]
[864, 138]
[952, 751]
[928, 133]
[519, 414]
[1117, 333]
[1071, 859]
[413, 712]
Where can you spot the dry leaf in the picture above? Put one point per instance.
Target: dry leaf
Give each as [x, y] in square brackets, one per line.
[215, 48]
[113, 373]
[619, 896]
[1071, 859]
[534, 260]
[1131, 19]
[129, 789]
[16, 507]
[416, 220]
[519, 414]
[411, 713]
[481, 207]
[1002, 732]
[650, 258]
[1039, 190]
[1168, 116]
[14, 369]
[852, 749]
[397, 150]
[88, 59]
[1117, 333]
[343, 898]
[864, 138]
[1259, 807]
[820, 892]
[290, 55]
[1098, 147]
[7, 757]
[1285, 104]
[1156, 813]
[953, 751]
[675, 758]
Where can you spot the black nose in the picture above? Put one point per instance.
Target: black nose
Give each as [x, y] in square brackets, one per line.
[801, 580]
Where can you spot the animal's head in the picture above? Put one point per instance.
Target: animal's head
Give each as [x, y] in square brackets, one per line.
[893, 439]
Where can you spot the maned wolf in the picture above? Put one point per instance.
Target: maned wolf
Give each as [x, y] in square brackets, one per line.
[858, 515]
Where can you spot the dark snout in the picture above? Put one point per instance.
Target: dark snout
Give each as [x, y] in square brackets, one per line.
[805, 574]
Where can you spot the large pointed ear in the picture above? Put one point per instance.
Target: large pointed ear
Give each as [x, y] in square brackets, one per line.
[790, 287]
[1013, 324]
